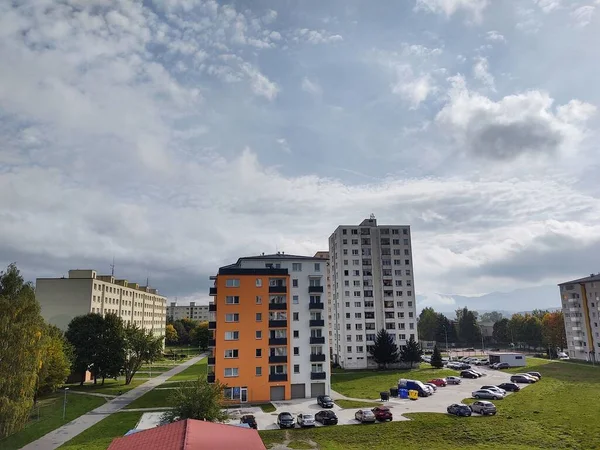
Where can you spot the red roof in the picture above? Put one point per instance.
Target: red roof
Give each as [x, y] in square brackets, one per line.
[191, 435]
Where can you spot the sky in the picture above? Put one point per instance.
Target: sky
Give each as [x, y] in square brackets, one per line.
[178, 135]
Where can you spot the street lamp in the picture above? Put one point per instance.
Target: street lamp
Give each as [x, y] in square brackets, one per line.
[65, 403]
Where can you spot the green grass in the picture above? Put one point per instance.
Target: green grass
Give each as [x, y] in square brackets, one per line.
[193, 372]
[50, 410]
[354, 404]
[102, 434]
[368, 384]
[561, 411]
[110, 387]
[267, 407]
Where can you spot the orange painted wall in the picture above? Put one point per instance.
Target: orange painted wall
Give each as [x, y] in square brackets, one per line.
[258, 386]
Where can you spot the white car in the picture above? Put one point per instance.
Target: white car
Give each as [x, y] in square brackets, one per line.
[432, 386]
[305, 420]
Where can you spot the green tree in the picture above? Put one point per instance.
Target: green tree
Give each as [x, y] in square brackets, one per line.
[445, 328]
[84, 333]
[182, 334]
[553, 332]
[57, 355]
[411, 352]
[198, 400]
[385, 351]
[468, 330]
[516, 327]
[140, 346]
[21, 329]
[532, 330]
[493, 316]
[428, 324]
[111, 352]
[501, 333]
[436, 358]
[171, 336]
[200, 335]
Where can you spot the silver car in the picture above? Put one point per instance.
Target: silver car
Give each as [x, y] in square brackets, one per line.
[486, 393]
[494, 389]
[484, 408]
[364, 415]
[453, 380]
[306, 420]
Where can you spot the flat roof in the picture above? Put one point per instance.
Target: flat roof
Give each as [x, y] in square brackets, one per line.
[589, 279]
[505, 354]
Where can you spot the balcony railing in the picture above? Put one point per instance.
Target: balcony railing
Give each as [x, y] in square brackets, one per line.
[277, 306]
[317, 358]
[210, 378]
[316, 305]
[211, 360]
[277, 359]
[315, 289]
[212, 291]
[318, 375]
[277, 289]
[278, 377]
[277, 341]
[212, 342]
[317, 340]
[317, 323]
[277, 323]
[212, 325]
[212, 307]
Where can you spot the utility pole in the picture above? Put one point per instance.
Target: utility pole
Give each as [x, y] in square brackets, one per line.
[65, 403]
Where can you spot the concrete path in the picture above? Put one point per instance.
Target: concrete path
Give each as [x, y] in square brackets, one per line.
[156, 408]
[58, 437]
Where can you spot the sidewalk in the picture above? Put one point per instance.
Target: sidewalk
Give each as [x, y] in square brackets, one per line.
[58, 437]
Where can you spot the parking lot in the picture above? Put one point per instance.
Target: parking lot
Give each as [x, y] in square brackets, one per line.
[438, 402]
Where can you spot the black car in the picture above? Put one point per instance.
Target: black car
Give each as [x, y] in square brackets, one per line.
[509, 387]
[468, 374]
[285, 420]
[249, 420]
[326, 417]
[459, 410]
[325, 401]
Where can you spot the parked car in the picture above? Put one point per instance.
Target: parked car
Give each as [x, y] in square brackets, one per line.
[382, 413]
[468, 374]
[285, 420]
[305, 420]
[502, 365]
[534, 378]
[484, 408]
[483, 362]
[324, 401]
[458, 409]
[469, 349]
[453, 380]
[486, 393]
[509, 387]
[494, 389]
[476, 372]
[326, 417]
[439, 382]
[249, 420]
[564, 358]
[521, 379]
[536, 374]
[432, 386]
[364, 416]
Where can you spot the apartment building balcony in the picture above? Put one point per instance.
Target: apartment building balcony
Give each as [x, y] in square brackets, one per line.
[277, 306]
[315, 289]
[278, 377]
[316, 305]
[210, 378]
[277, 359]
[574, 309]
[317, 340]
[212, 307]
[317, 357]
[277, 289]
[211, 360]
[578, 348]
[575, 319]
[212, 325]
[318, 375]
[575, 328]
[277, 341]
[212, 291]
[317, 323]
[278, 323]
[212, 342]
[577, 338]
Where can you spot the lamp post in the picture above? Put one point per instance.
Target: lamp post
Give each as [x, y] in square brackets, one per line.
[65, 403]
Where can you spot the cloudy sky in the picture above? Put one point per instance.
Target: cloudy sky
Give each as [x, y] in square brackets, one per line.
[177, 135]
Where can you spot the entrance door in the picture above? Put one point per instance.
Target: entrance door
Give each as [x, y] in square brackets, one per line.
[244, 395]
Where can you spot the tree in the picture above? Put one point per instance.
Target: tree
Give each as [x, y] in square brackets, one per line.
[198, 400]
[411, 352]
[493, 316]
[385, 351]
[501, 333]
[200, 335]
[553, 332]
[428, 324]
[532, 330]
[436, 358]
[111, 353]
[21, 328]
[445, 328]
[468, 330]
[84, 334]
[57, 355]
[182, 334]
[171, 336]
[140, 346]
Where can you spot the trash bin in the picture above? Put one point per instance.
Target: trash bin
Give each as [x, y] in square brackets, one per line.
[413, 395]
[394, 392]
[403, 393]
[384, 396]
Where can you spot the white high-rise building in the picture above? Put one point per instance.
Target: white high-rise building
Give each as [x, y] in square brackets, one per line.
[373, 288]
[191, 311]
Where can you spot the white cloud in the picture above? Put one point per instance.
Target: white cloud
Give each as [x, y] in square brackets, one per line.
[516, 125]
[260, 84]
[315, 36]
[583, 15]
[414, 90]
[481, 72]
[285, 146]
[549, 5]
[495, 36]
[312, 87]
[449, 7]
[420, 50]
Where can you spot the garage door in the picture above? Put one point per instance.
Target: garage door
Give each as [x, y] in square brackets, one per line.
[277, 393]
[298, 391]
[317, 389]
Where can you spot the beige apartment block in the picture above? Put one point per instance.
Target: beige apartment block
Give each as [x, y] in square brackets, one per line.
[191, 311]
[83, 292]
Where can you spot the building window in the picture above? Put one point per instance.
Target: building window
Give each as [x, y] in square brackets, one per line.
[258, 371]
[232, 317]
[296, 368]
[231, 372]
[317, 267]
[259, 317]
[296, 317]
[296, 334]
[232, 282]
[349, 349]
[296, 267]
[231, 353]
[258, 299]
[232, 335]
[296, 351]
[258, 353]
[259, 282]
[258, 334]
[295, 282]
[295, 300]
[232, 300]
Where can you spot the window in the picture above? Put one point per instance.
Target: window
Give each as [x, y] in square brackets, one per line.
[231, 353]
[349, 349]
[296, 368]
[296, 351]
[346, 283]
[357, 293]
[409, 293]
[259, 317]
[296, 267]
[347, 315]
[295, 300]
[258, 334]
[344, 241]
[345, 273]
[399, 283]
[357, 304]
[348, 326]
[232, 335]
[408, 273]
[359, 348]
[347, 304]
[258, 353]
[232, 300]
[259, 282]
[347, 293]
[232, 282]
[317, 267]
[409, 304]
[345, 251]
[345, 262]
[344, 231]
[296, 334]
[295, 282]
[231, 372]
[258, 371]
[258, 299]
[404, 230]
[398, 293]
[359, 337]
[232, 317]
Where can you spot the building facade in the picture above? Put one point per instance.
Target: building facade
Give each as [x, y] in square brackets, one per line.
[270, 336]
[83, 292]
[372, 285]
[329, 304]
[580, 301]
[191, 311]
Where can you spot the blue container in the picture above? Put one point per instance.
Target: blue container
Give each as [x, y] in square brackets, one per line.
[403, 393]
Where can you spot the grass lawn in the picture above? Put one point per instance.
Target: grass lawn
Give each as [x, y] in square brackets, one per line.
[561, 411]
[51, 410]
[110, 387]
[368, 384]
[267, 407]
[354, 404]
[101, 435]
[193, 372]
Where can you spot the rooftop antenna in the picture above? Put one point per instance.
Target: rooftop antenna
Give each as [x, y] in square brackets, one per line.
[112, 267]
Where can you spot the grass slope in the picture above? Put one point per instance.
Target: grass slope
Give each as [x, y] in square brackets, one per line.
[102, 434]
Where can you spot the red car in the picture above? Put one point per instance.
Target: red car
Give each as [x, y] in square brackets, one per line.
[382, 413]
[440, 382]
